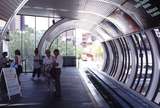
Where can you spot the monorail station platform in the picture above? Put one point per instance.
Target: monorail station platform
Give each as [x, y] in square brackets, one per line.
[36, 95]
[110, 50]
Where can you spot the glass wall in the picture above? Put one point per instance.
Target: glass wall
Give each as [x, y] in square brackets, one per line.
[42, 25]
[3, 43]
[83, 45]
[71, 43]
[2, 24]
[28, 41]
[25, 34]
[65, 43]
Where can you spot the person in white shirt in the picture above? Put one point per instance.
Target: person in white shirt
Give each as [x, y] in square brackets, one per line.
[37, 64]
[57, 67]
[48, 66]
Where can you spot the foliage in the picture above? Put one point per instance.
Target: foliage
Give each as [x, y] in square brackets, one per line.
[63, 45]
[25, 42]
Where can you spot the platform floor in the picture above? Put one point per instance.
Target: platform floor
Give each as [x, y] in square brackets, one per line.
[36, 95]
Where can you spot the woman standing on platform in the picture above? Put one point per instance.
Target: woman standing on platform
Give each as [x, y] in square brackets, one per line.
[58, 64]
[18, 63]
[48, 65]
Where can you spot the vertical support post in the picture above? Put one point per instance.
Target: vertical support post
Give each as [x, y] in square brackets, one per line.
[35, 31]
[75, 43]
[66, 42]
[21, 37]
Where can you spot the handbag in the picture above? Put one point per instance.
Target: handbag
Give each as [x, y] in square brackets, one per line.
[55, 73]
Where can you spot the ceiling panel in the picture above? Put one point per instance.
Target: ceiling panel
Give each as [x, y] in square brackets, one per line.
[56, 4]
[100, 7]
[7, 8]
[67, 6]
[92, 10]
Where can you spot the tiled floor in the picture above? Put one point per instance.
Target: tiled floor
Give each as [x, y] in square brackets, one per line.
[36, 95]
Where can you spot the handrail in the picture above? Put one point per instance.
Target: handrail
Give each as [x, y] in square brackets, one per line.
[123, 91]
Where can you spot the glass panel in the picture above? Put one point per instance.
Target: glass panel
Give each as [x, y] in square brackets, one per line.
[22, 36]
[44, 47]
[71, 43]
[78, 43]
[54, 45]
[65, 43]
[50, 22]
[89, 49]
[41, 26]
[14, 43]
[28, 39]
[62, 43]
[2, 24]
[15, 36]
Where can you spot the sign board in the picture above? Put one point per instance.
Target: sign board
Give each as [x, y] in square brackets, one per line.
[11, 81]
[148, 11]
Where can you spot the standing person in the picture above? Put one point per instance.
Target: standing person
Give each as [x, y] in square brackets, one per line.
[4, 60]
[58, 64]
[18, 63]
[48, 65]
[37, 65]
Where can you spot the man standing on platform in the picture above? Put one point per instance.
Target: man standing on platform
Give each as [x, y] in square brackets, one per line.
[57, 71]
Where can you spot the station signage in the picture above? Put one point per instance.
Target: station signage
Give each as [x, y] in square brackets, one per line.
[11, 81]
[151, 6]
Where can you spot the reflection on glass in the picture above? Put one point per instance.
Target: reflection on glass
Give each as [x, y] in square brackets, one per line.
[25, 34]
[28, 40]
[42, 25]
[82, 45]
[65, 43]
[71, 43]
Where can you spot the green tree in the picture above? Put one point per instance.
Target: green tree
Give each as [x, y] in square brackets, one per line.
[24, 41]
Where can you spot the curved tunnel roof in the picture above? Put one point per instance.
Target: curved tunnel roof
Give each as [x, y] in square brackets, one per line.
[124, 16]
[142, 12]
[8, 9]
[113, 17]
[67, 24]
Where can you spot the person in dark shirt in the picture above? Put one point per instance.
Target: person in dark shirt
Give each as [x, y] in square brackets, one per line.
[4, 60]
